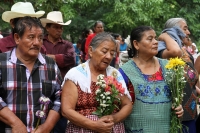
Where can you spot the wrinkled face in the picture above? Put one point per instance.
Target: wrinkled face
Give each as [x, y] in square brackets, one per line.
[184, 27]
[102, 56]
[99, 28]
[55, 30]
[148, 44]
[30, 43]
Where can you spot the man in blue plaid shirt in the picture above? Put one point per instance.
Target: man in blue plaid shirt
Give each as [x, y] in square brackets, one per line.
[25, 76]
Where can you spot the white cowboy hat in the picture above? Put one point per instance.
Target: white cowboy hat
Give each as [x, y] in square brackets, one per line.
[21, 9]
[54, 17]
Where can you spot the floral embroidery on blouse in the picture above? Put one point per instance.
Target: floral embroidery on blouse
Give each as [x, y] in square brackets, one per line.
[147, 90]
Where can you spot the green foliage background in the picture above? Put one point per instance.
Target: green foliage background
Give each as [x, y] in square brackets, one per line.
[119, 16]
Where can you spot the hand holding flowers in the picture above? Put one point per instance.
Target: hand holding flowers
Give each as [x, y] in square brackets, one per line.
[176, 81]
[108, 95]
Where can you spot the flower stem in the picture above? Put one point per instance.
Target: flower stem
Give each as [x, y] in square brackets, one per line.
[38, 122]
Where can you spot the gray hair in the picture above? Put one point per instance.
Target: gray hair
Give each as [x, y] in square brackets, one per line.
[101, 37]
[173, 22]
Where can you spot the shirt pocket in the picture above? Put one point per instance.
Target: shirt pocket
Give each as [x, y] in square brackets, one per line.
[47, 88]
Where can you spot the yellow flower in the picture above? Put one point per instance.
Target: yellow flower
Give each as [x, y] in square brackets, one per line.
[174, 63]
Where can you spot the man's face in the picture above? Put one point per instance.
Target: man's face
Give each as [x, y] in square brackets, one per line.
[55, 30]
[30, 43]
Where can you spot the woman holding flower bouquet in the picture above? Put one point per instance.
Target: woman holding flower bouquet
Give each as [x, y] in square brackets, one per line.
[174, 48]
[145, 76]
[95, 97]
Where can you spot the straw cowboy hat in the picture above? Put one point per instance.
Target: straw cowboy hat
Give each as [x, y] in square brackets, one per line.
[21, 9]
[54, 17]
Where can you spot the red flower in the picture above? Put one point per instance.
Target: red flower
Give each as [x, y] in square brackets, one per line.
[119, 87]
[108, 88]
[121, 90]
[109, 80]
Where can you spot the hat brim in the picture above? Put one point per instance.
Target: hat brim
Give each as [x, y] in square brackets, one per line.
[44, 21]
[8, 15]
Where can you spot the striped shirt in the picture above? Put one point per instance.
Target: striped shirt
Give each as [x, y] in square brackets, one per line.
[21, 89]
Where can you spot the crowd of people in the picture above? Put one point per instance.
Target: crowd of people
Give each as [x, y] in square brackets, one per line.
[40, 72]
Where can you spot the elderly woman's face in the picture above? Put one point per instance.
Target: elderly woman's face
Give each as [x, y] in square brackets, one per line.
[148, 44]
[103, 54]
[184, 27]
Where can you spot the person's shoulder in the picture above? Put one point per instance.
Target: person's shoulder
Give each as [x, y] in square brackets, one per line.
[164, 61]
[4, 39]
[91, 35]
[67, 42]
[48, 60]
[8, 39]
[45, 38]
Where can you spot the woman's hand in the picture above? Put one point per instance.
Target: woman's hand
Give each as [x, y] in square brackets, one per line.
[104, 124]
[110, 118]
[179, 111]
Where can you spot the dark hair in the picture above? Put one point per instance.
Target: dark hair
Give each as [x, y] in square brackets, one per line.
[85, 33]
[14, 22]
[97, 22]
[79, 41]
[48, 24]
[115, 35]
[101, 37]
[137, 34]
[26, 22]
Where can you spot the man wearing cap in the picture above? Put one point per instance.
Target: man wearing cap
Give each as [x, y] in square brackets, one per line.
[18, 10]
[62, 51]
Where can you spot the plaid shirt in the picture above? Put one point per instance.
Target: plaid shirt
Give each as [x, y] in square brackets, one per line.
[21, 90]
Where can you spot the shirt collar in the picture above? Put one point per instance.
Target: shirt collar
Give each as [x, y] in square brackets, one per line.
[13, 57]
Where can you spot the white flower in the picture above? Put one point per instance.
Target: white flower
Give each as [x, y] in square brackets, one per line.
[103, 105]
[40, 114]
[107, 97]
[98, 83]
[98, 91]
[102, 81]
[176, 99]
[102, 96]
[44, 100]
[107, 93]
[103, 85]
[100, 77]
